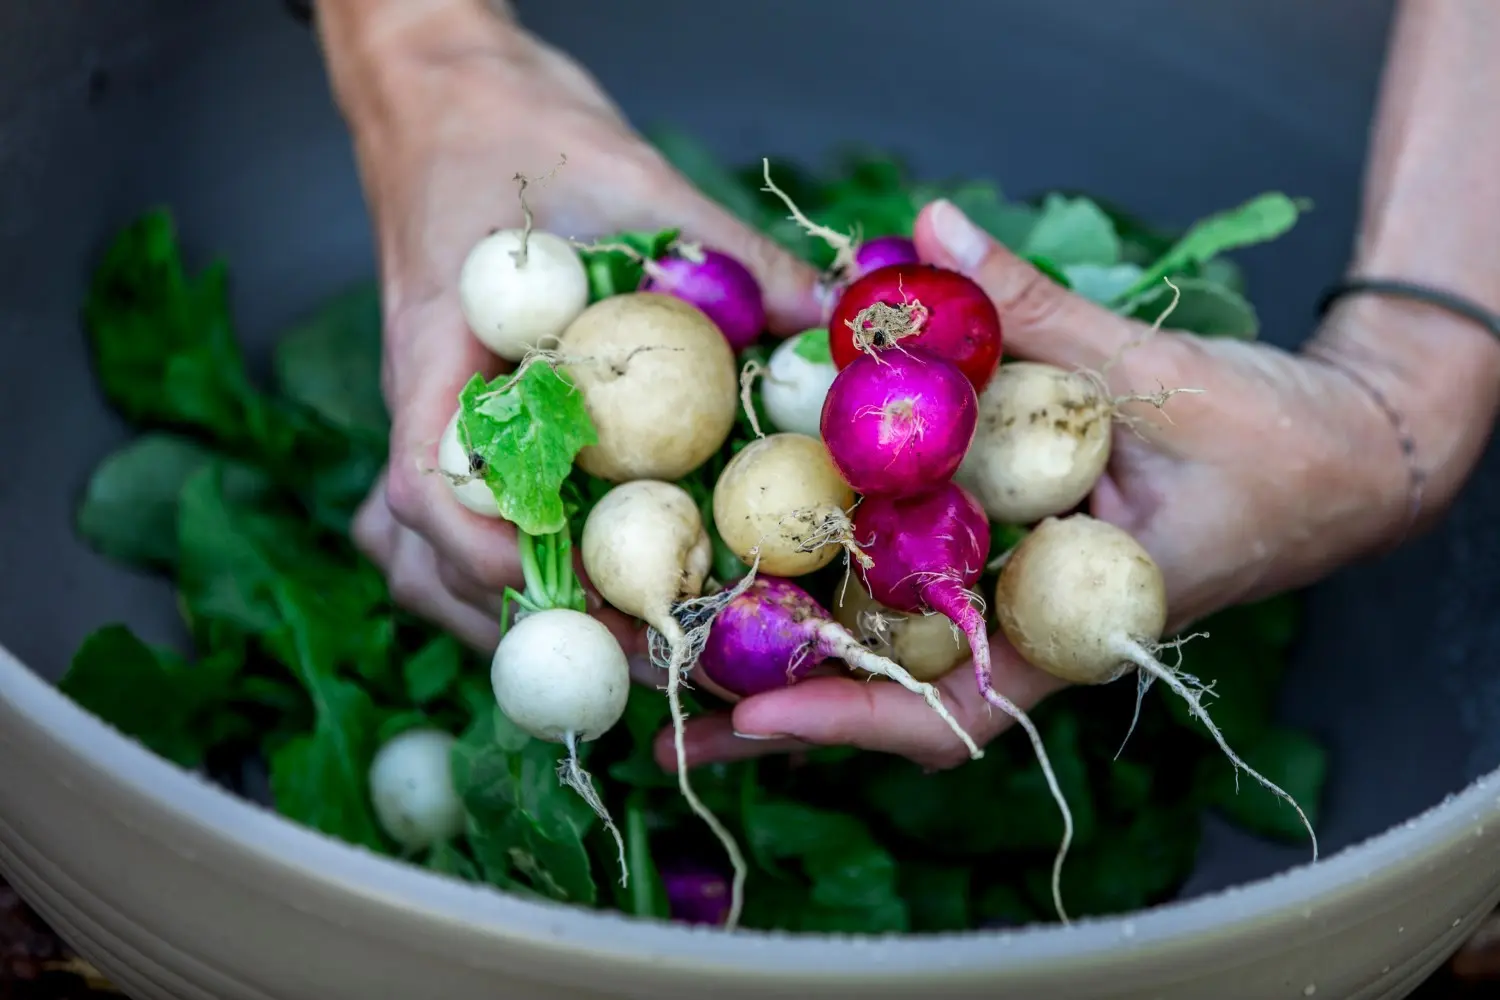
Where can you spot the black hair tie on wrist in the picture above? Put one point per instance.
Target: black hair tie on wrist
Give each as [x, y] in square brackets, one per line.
[1456, 304]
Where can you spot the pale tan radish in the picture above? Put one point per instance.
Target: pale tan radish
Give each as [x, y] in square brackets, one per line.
[782, 496]
[659, 381]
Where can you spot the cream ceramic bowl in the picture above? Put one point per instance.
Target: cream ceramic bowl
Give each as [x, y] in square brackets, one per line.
[177, 889]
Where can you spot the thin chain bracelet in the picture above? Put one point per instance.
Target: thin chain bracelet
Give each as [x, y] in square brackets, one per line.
[1456, 304]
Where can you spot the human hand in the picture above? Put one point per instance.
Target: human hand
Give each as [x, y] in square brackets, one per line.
[445, 110]
[1281, 469]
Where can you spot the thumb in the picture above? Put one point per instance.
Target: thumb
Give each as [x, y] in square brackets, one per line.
[788, 283]
[1040, 320]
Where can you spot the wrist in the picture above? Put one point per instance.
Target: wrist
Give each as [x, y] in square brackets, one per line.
[1431, 384]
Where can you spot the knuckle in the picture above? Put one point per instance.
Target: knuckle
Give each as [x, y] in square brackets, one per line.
[409, 585]
[405, 494]
[1025, 297]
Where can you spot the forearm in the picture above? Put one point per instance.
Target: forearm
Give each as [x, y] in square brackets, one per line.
[1431, 213]
[362, 39]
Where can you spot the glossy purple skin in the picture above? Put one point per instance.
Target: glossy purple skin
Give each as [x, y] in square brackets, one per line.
[719, 285]
[898, 424]
[697, 895]
[763, 639]
[943, 534]
[883, 251]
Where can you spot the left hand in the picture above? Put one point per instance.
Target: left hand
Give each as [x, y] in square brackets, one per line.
[1283, 468]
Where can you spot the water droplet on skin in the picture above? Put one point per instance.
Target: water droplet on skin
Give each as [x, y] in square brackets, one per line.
[1309, 989]
[1400, 930]
[1385, 970]
[1458, 921]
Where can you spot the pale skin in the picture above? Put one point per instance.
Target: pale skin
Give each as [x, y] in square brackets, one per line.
[1287, 466]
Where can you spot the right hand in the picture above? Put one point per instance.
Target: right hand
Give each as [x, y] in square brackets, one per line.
[445, 108]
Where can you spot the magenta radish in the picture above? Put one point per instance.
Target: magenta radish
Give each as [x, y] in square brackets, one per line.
[926, 553]
[898, 423]
[716, 283]
[1084, 601]
[772, 633]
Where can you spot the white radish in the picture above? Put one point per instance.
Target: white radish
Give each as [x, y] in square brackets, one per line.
[519, 289]
[411, 789]
[794, 387]
[559, 675]
[781, 497]
[1082, 600]
[465, 475]
[645, 549]
[659, 381]
[927, 645]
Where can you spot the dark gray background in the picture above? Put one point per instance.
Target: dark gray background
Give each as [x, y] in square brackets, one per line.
[1173, 107]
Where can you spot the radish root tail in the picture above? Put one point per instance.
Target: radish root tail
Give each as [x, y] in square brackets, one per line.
[837, 641]
[571, 773]
[843, 244]
[957, 604]
[1138, 654]
[682, 646]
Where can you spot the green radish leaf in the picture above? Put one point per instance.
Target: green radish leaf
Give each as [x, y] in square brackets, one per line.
[1259, 220]
[523, 823]
[646, 895]
[1073, 231]
[1138, 865]
[330, 362]
[430, 674]
[526, 429]
[812, 345]
[164, 348]
[1291, 759]
[1101, 283]
[400, 722]
[446, 859]
[1205, 308]
[615, 272]
[151, 693]
[937, 895]
[129, 508]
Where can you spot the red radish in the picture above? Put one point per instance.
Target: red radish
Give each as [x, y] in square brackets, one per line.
[883, 251]
[906, 306]
[898, 422]
[716, 283]
[927, 552]
[772, 633]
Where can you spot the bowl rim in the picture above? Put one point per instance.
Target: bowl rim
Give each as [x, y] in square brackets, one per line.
[573, 933]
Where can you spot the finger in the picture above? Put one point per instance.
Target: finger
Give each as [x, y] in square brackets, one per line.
[883, 716]
[710, 739]
[433, 356]
[789, 284]
[1040, 320]
[414, 583]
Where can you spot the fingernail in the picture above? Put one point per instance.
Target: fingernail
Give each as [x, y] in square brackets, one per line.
[761, 736]
[965, 242]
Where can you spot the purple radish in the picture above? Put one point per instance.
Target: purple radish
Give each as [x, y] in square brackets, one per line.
[716, 283]
[696, 895]
[927, 553]
[774, 632]
[897, 422]
[883, 251]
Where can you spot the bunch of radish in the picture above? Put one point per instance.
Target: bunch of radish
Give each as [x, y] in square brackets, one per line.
[898, 438]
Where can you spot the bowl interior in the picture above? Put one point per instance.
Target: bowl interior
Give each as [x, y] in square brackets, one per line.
[1169, 107]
